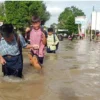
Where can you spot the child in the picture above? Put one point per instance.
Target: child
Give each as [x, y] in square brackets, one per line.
[38, 40]
[52, 41]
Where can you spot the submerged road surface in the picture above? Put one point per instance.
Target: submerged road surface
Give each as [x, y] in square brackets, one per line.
[73, 73]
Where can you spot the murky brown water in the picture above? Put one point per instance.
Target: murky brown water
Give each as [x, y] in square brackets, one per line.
[71, 74]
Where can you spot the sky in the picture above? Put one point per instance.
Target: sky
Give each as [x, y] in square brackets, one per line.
[56, 7]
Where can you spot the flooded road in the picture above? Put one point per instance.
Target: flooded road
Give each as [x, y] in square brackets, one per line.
[73, 73]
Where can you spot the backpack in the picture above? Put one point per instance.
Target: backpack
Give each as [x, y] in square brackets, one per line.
[18, 41]
[19, 45]
[57, 45]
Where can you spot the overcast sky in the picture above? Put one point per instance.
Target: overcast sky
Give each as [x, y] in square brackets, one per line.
[56, 7]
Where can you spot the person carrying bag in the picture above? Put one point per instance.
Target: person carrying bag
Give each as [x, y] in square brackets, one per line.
[52, 41]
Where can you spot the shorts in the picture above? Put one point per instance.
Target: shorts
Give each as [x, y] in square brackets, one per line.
[40, 59]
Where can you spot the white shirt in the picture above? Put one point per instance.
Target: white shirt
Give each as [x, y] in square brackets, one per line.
[50, 42]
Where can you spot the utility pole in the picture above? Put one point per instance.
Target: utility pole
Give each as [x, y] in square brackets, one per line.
[91, 26]
[95, 23]
[5, 11]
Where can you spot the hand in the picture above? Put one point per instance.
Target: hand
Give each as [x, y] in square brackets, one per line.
[36, 47]
[43, 36]
[27, 29]
[2, 61]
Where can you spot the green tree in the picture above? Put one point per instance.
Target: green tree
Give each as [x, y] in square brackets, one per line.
[67, 19]
[19, 13]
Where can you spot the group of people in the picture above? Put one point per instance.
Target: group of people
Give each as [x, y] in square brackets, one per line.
[11, 45]
[76, 36]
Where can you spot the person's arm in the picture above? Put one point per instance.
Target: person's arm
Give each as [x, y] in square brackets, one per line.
[2, 60]
[44, 39]
[28, 46]
[25, 45]
[57, 40]
[27, 29]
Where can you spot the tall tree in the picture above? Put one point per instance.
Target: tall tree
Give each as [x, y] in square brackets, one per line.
[20, 13]
[67, 19]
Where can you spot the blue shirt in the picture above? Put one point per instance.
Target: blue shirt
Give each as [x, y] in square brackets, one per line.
[11, 48]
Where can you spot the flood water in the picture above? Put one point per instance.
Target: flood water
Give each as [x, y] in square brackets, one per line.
[73, 73]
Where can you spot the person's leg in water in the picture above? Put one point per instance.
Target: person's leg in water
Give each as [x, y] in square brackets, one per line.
[34, 61]
[52, 51]
[41, 60]
[8, 72]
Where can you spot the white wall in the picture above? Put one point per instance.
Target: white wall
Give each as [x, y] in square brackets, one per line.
[95, 21]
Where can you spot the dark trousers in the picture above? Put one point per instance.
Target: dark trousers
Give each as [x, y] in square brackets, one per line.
[13, 66]
[41, 60]
[51, 52]
[8, 71]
